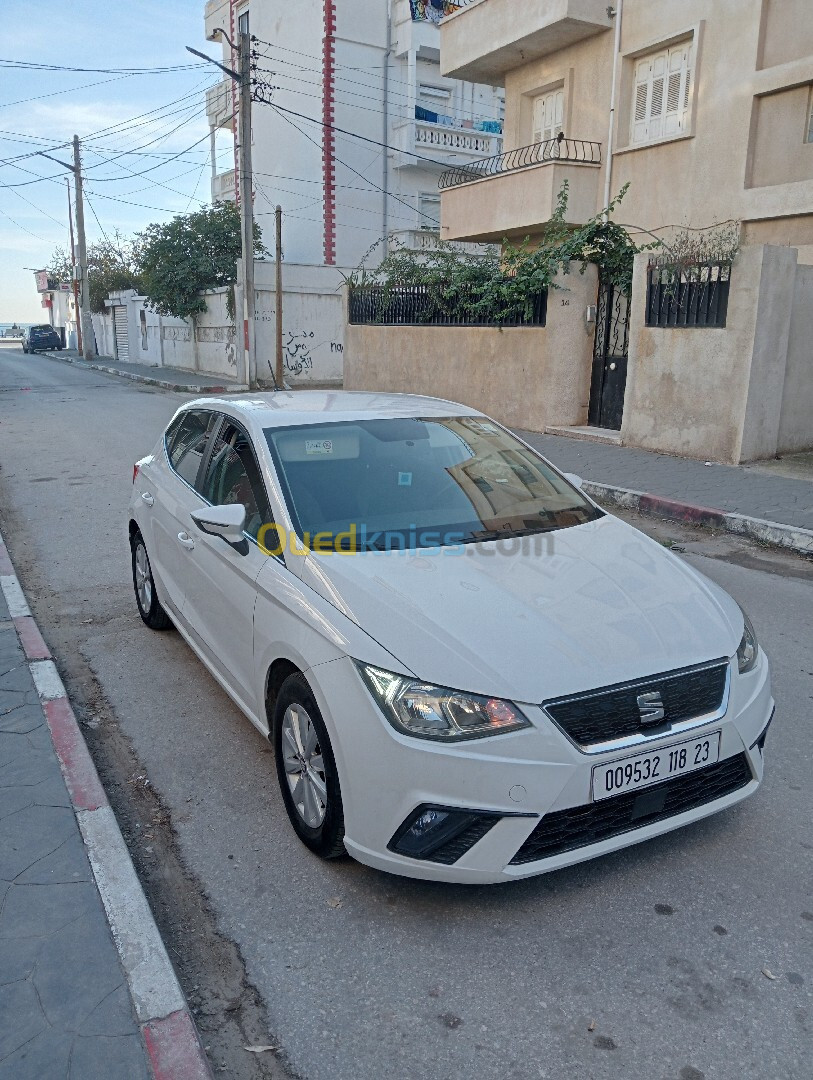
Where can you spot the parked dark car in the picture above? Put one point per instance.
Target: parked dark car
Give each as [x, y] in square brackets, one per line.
[40, 338]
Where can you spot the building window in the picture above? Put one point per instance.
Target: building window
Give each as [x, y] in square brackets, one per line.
[429, 210]
[548, 116]
[433, 97]
[242, 22]
[660, 106]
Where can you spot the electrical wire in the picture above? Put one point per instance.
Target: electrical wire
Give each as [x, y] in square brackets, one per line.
[30, 65]
[389, 194]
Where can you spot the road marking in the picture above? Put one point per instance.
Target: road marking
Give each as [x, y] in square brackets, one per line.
[47, 680]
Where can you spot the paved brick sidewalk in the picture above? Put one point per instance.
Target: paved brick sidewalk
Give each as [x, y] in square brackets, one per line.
[744, 490]
[64, 1000]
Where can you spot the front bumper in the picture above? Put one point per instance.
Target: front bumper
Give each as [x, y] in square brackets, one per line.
[519, 777]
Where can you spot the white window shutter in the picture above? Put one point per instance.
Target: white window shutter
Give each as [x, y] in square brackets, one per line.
[677, 91]
[548, 116]
[656, 100]
[558, 112]
[640, 110]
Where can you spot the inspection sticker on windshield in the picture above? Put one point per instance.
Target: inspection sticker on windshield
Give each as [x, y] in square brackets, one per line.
[318, 446]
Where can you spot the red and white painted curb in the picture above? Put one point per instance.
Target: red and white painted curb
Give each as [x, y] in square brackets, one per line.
[169, 1033]
[768, 532]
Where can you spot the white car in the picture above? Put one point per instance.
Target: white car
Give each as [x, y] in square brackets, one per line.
[468, 670]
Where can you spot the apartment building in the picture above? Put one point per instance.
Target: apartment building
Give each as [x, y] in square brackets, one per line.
[343, 78]
[704, 107]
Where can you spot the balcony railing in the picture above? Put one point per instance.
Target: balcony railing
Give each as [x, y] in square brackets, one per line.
[429, 240]
[558, 149]
[223, 187]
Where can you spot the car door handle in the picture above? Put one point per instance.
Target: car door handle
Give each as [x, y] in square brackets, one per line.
[185, 540]
[148, 499]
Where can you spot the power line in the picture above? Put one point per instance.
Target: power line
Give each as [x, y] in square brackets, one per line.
[30, 65]
[69, 90]
[389, 194]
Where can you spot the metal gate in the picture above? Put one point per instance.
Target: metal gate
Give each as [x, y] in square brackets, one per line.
[610, 348]
[122, 332]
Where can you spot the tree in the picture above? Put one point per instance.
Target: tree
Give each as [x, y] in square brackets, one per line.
[191, 253]
[112, 267]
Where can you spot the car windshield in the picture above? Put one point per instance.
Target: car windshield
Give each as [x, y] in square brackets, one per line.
[410, 482]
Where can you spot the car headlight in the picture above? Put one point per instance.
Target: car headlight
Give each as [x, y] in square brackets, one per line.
[749, 647]
[435, 712]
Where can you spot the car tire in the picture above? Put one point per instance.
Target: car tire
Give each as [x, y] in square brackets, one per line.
[149, 606]
[306, 769]
[59, 348]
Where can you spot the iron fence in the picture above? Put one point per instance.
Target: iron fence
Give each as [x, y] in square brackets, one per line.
[558, 149]
[687, 296]
[422, 305]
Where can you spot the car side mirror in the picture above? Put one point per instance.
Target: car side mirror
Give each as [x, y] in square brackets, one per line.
[574, 479]
[227, 522]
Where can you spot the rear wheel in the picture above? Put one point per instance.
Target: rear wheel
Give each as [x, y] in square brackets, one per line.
[149, 606]
[306, 770]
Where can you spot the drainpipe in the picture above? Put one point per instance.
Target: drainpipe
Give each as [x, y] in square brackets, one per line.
[385, 138]
[608, 175]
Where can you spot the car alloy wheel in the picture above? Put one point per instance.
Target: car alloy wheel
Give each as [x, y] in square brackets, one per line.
[306, 769]
[149, 606]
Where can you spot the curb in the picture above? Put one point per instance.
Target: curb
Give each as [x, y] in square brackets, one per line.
[165, 384]
[167, 1028]
[768, 532]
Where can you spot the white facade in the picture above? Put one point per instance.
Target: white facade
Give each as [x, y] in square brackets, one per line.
[312, 330]
[372, 70]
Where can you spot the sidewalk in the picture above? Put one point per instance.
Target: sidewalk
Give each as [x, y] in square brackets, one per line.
[185, 382]
[720, 495]
[87, 991]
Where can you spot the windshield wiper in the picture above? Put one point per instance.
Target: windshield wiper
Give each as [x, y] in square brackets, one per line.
[500, 534]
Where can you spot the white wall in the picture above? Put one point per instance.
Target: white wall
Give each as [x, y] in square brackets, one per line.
[313, 330]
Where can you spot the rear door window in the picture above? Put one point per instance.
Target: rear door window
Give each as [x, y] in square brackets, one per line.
[233, 476]
[187, 441]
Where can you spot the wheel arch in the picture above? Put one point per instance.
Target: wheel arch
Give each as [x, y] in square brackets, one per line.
[276, 675]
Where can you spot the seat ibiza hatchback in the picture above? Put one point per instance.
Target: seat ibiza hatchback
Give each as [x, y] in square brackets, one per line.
[468, 670]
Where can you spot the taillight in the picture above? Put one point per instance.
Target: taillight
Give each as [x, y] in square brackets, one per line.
[135, 472]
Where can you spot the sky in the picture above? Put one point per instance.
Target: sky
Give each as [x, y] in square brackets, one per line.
[96, 34]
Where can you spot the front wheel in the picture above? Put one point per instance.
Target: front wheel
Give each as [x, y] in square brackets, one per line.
[149, 606]
[306, 770]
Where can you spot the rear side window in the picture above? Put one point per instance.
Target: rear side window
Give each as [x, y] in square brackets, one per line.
[186, 443]
[233, 476]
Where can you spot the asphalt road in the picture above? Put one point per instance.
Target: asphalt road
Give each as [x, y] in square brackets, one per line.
[645, 964]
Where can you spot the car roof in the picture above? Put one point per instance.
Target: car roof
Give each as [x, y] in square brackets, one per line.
[290, 408]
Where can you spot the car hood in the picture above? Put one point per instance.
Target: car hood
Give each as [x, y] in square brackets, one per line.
[592, 605]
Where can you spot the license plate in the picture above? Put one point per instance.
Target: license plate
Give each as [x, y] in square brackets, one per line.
[643, 770]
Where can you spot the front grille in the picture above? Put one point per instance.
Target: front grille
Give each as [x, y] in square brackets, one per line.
[579, 826]
[612, 712]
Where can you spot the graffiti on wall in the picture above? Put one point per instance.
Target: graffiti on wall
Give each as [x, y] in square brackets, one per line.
[297, 347]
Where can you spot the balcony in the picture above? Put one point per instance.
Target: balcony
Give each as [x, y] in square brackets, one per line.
[515, 194]
[219, 104]
[445, 143]
[223, 189]
[427, 240]
[487, 38]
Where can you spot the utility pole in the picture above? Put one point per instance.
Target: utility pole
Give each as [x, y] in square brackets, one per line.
[278, 260]
[247, 211]
[84, 285]
[245, 193]
[84, 325]
[74, 279]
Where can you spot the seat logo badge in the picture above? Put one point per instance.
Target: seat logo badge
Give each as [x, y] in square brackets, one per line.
[650, 706]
